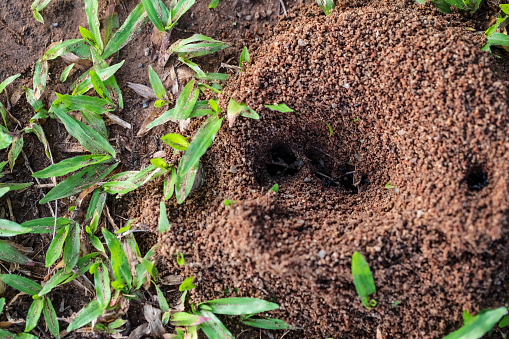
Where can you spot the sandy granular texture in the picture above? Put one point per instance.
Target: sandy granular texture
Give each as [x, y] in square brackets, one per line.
[411, 100]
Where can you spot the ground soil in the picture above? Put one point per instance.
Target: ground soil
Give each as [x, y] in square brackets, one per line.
[410, 99]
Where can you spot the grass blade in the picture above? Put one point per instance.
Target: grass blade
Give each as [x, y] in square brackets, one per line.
[213, 328]
[283, 108]
[91, 8]
[175, 141]
[34, 313]
[70, 165]
[96, 122]
[54, 281]
[498, 39]
[152, 14]
[363, 279]
[10, 228]
[102, 286]
[86, 136]
[99, 86]
[119, 262]
[79, 181]
[125, 33]
[244, 56]
[155, 82]
[40, 77]
[164, 223]
[92, 104]
[46, 225]
[88, 314]
[17, 145]
[268, 324]
[8, 81]
[50, 316]
[187, 319]
[62, 48]
[125, 182]
[186, 101]
[56, 246]
[65, 73]
[11, 254]
[238, 306]
[483, 323]
[72, 248]
[86, 82]
[20, 283]
[180, 8]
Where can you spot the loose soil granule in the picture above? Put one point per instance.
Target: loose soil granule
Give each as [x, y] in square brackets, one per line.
[412, 101]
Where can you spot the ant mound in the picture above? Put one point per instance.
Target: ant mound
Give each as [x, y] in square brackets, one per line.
[410, 100]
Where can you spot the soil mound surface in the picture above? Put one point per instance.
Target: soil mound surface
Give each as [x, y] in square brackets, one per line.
[410, 99]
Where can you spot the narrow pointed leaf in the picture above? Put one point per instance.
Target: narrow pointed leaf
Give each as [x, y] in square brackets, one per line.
[213, 328]
[169, 186]
[239, 306]
[11, 254]
[180, 8]
[187, 319]
[482, 324]
[46, 225]
[84, 84]
[66, 72]
[152, 14]
[176, 141]
[50, 317]
[62, 48]
[10, 228]
[102, 286]
[93, 104]
[57, 278]
[283, 108]
[164, 223]
[155, 81]
[119, 262]
[34, 313]
[362, 279]
[70, 165]
[17, 146]
[88, 314]
[72, 248]
[56, 246]
[8, 81]
[268, 324]
[92, 8]
[20, 283]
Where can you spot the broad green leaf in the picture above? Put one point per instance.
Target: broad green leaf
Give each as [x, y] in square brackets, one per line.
[17, 145]
[498, 39]
[197, 45]
[10, 228]
[11, 254]
[187, 319]
[102, 286]
[5, 139]
[200, 143]
[150, 267]
[363, 279]
[493, 28]
[54, 281]
[176, 141]
[70, 165]
[213, 328]
[244, 56]
[8, 81]
[56, 246]
[99, 86]
[159, 163]
[169, 187]
[480, 326]
[46, 225]
[126, 33]
[125, 182]
[92, 8]
[72, 248]
[50, 316]
[186, 101]
[65, 73]
[84, 84]
[79, 181]
[503, 323]
[34, 313]
[505, 8]
[268, 324]
[119, 262]
[155, 81]
[152, 14]
[238, 306]
[468, 318]
[39, 18]
[187, 284]
[86, 136]
[96, 243]
[79, 102]
[163, 304]
[234, 109]
[20, 283]
[180, 8]
[283, 108]
[88, 314]
[213, 4]
[164, 223]
[62, 48]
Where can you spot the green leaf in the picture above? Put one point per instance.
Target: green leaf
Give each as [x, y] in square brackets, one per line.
[180, 259]
[238, 306]
[92, 8]
[40, 77]
[176, 141]
[39, 132]
[92, 104]
[163, 304]
[503, 323]
[20, 283]
[86, 136]
[389, 186]
[186, 101]
[213, 76]
[155, 82]
[96, 122]
[197, 45]
[2, 304]
[468, 318]
[5, 139]
[125, 182]
[62, 48]
[164, 223]
[187, 284]
[326, 5]
[99, 86]
[159, 163]
[14, 186]
[498, 39]
[152, 14]
[50, 316]
[39, 5]
[65, 73]
[56, 246]
[11, 254]
[96, 243]
[482, 324]
[34, 313]
[213, 4]
[102, 286]
[85, 262]
[10, 228]
[268, 324]
[79, 181]
[210, 88]
[72, 248]
[84, 84]
[91, 312]
[331, 131]
[70, 165]
[213, 328]
[119, 262]
[187, 319]
[150, 267]
[17, 145]
[180, 8]
[193, 66]
[244, 56]
[96, 204]
[54, 281]
[8, 81]
[363, 279]
[274, 188]
[169, 187]
[283, 108]
[46, 225]
[126, 33]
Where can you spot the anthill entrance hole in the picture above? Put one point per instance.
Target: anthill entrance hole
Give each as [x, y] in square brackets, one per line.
[477, 178]
[283, 161]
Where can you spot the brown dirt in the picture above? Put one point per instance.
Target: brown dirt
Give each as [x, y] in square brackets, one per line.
[411, 99]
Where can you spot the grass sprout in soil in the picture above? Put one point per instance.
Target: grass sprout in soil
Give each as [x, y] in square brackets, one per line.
[225, 169]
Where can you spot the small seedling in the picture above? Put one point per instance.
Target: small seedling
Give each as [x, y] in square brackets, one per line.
[163, 17]
[229, 202]
[213, 4]
[283, 108]
[363, 280]
[244, 57]
[389, 186]
[180, 258]
[476, 326]
[326, 5]
[37, 7]
[274, 188]
[331, 131]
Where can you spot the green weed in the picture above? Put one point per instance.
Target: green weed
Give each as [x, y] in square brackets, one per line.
[363, 280]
